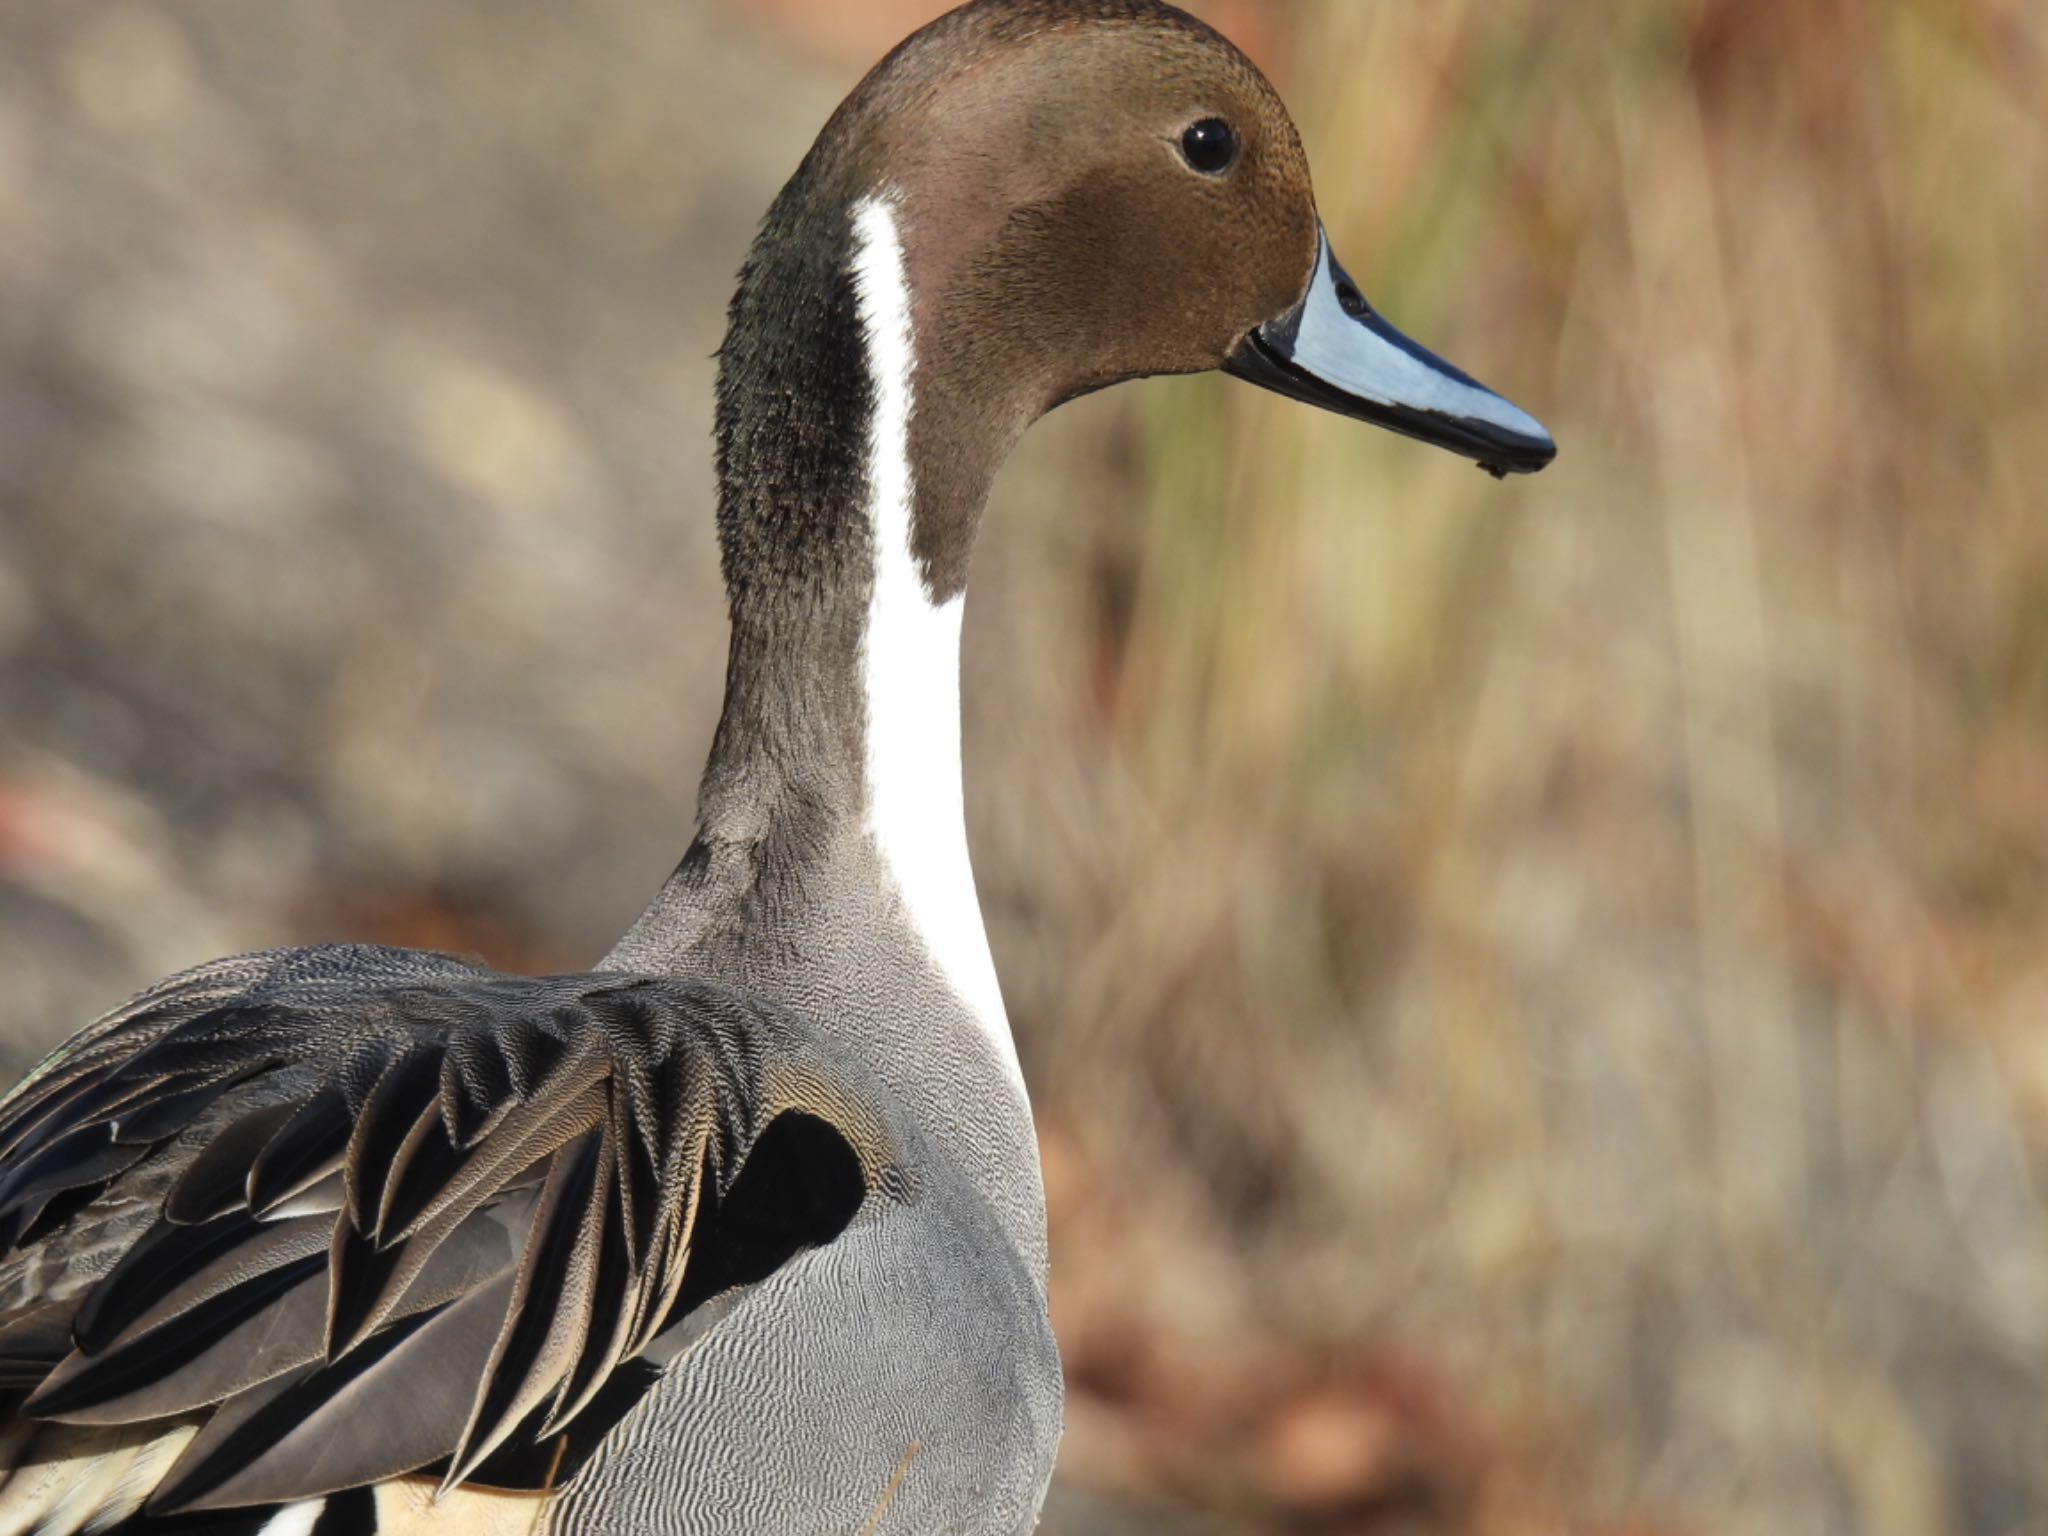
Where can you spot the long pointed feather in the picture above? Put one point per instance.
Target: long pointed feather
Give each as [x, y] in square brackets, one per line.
[609, 1315]
[85, 1382]
[476, 1087]
[306, 1148]
[425, 1163]
[547, 1313]
[217, 1349]
[325, 1197]
[217, 1179]
[364, 1291]
[86, 1158]
[359, 1277]
[392, 1407]
[168, 1109]
[163, 1256]
[409, 1085]
[284, 1331]
[195, 1265]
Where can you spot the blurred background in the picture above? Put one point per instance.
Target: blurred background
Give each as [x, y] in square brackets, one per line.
[1536, 993]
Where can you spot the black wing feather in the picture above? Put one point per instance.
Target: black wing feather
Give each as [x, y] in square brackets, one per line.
[387, 1211]
[306, 1149]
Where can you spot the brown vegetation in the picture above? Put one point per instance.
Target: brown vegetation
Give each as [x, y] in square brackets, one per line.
[1536, 994]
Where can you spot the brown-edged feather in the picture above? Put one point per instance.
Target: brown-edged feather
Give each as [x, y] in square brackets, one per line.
[376, 1212]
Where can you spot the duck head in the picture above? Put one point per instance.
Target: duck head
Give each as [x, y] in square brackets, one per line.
[1026, 201]
[1077, 193]
[1098, 191]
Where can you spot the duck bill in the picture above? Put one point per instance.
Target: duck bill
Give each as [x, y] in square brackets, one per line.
[1334, 350]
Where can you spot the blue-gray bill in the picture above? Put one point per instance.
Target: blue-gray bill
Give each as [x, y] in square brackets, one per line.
[1333, 350]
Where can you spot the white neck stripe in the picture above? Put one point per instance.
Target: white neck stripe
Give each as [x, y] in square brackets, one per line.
[911, 665]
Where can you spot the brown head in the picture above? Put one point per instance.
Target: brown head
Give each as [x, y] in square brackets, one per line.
[1085, 192]
[1079, 192]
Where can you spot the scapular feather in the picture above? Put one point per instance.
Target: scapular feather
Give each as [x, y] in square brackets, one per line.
[609, 1316]
[409, 1086]
[179, 1267]
[476, 1087]
[164, 1255]
[425, 1165]
[217, 1179]
[85, 1382]
[359, 1278]
[86, 1158]
[407, 1213]
[548, 1308]
[169, 1107]
[306, 1148]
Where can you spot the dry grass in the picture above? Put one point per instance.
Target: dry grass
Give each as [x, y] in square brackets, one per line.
[1590, 929]
[1535, 992]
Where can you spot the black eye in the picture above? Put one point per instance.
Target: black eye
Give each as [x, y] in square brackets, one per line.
[1210, 146]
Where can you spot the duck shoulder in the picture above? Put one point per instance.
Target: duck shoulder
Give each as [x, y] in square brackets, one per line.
[333, 1216]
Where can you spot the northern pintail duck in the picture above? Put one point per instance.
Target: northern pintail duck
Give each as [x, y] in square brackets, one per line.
[742, 1231]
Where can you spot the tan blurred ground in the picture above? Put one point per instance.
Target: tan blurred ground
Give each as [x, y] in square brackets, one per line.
[1536, 993]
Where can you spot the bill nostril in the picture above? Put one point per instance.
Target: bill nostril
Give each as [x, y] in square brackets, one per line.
[1351, 301]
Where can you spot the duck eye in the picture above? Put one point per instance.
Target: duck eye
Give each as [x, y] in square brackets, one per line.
[1210, 146]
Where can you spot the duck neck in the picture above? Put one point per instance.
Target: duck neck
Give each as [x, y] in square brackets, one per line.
[839, 744]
